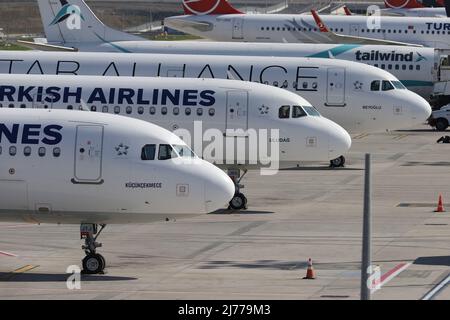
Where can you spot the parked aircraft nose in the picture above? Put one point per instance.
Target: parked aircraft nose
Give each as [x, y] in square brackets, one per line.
[219, 189]
[339, 141]
[420, 109]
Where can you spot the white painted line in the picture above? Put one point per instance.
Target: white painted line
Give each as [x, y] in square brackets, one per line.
[430, 295]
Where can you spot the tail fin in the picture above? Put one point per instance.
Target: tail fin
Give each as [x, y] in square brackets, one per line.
[204, 7]
[72, 21]
[402, 4]
[447, 7]
[347, 11]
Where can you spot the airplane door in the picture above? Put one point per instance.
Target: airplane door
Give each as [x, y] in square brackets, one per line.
[354, 30]
[336, 87]
[238, 28]
[237, 110]
[88, 154]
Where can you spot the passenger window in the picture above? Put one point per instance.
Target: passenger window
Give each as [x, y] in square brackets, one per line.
[387, 85]
[188, 111]
[375, 85]
[141, 110]
[152, 110]
[27, 151]
[404, 67]
[0, 150]
[212, 112]
[105, 109]
[93, 108]
[11, 105]
[284, 112]
[411, 67]
[164, 111]
[298, 112]
[417, 67]
[128, 110]
[56, 152]
[176, 111]
[397, 67]
[116, 109]
[42, 151]
[199, 112]
[70, 107]
[12, 151]
[166, 152]
[23, 106]
[148, 152]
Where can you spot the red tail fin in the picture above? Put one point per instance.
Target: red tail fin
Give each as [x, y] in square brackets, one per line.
[203, 7]
[320, 24]
[347, 11]
[402, 4]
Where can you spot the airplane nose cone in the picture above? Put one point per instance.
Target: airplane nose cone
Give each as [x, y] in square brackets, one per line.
[339, 142]
[420, 110]
[218, 191]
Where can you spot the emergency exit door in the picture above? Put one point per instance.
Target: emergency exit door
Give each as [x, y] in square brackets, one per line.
[238, 28]
[237, 110]
[88, 154]
[336, 87]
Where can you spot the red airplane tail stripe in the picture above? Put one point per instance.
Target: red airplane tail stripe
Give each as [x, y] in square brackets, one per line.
[402, 4]
[203, 7]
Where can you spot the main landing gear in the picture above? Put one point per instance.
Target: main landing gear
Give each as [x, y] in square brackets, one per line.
[338, 162]
[239, 201]
[93, 263]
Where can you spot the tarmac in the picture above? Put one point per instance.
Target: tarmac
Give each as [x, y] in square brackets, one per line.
[262, 253]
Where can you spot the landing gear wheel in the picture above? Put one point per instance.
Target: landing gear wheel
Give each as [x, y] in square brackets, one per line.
[338, 162]
[441, 124]
[238, 202]
[93, 264]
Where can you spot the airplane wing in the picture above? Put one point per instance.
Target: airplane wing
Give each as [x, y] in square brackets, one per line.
[340, 38]
[44, 46]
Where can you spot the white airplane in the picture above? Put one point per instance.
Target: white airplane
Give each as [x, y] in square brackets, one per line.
[412, 8]
[218, 20]
[359, 97]
[415, 67]
[218, 114]
[91, 169]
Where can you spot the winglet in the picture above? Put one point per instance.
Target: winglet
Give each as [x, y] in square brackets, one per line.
[347, 11]
[205, 7]
[319, 22]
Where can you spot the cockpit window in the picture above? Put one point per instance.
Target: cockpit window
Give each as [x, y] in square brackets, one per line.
[148, 152]
[398, 85]
[184, 151]
[284, 112]
[166, 152]
[312, 111]
[375, 85]
[387, 85]
[298, 112]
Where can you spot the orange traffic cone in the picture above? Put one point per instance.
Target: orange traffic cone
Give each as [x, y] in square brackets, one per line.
[310, 273]
[440, 207]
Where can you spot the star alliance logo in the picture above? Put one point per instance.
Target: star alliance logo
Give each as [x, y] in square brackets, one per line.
[264, 110]
[122, 150]
[67, 11]
[358, 85]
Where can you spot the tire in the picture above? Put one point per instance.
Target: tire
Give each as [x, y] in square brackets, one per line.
[338, 162]
[103, 262]
[441, 124]
[93, 264]
[238, 202]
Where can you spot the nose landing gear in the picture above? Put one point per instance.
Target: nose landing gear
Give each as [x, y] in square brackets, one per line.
[338, 162]
[93, 263]
[239, 201]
